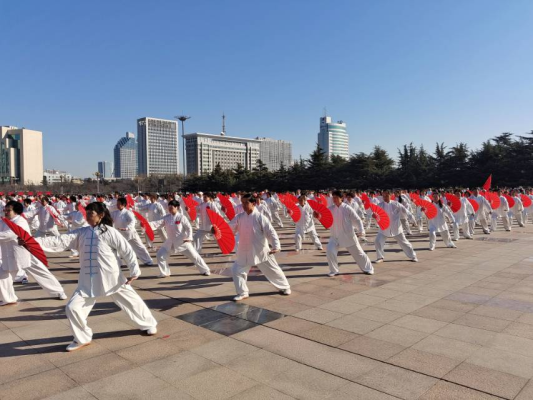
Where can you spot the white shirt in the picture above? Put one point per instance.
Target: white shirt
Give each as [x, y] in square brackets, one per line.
[395, 211]
[439, 223]
[342, 229]
[178, 229]
[465, 210]
[124, 219]
[13, 255]
[305, 223]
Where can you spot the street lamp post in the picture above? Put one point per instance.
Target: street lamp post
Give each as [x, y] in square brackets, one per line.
[183, 118]
[97, 174]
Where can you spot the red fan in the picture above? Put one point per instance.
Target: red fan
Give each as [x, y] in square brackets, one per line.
[392, 196]
[228, 206]
[129, 202]
[322, 200]
[474, 203]
[30, 243]
[56, 219]
[527, 202]
[414, 196]
[292, 209]
[324, 214]
[381, 216]
[510, 199]
[192, 207]
[146, 226]
[366, 201]
[223, 232]
[292, 198]
[493, 199]
[82, 210]
[428, 208]
[30, 193]
[48, 193]
[454, 202]
[487, 184]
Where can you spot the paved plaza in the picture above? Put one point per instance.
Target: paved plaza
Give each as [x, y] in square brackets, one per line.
[456, 325]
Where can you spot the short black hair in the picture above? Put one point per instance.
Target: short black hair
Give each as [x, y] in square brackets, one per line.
[17, 207]
[174, 203]
[249, 197]
[122, 200]
[337, 193]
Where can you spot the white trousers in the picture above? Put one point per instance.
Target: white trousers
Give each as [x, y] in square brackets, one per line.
[78, 309]
[269, 268]
[39, 272]
[401, 240]
[518, 217]
[52, 232]
[445, 235]
[140, 249]
[465, 230]
[482, 220]
[406, 226]
[198, 238]
[187, 250]
[355, 251]
[299, 237]
[505, 221]
[276, 219]
[162, 234]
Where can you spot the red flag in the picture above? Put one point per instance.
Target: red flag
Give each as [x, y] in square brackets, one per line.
[487, 185]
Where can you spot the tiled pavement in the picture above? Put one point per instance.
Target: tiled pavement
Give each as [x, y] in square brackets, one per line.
[456, 325]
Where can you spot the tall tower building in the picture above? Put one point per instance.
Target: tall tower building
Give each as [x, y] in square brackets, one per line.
[157, 143]
[333, 138]
[21, 155]
[105, 168]
[274, 153]
[125, 157]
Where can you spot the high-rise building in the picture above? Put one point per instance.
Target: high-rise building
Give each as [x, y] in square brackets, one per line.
[125, 157]
[21, 155]
[274, 153]
[157, 144]
[204, 151]
[333, 138]
[105, 169]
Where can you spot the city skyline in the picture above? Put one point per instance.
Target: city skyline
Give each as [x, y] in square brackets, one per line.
[416, 71]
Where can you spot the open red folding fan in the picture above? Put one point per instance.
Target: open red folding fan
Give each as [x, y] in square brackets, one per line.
[474, 203]
[228, 206]
[454, 202]
[510, 199]
[292, 209]
[129, 202]
[292, 197]
[192, 207]
[321, 199]
[324, 215]
[223, 233]
[493, 199]
[414, 196]
[428, 208]
[381, 216]
[527, 202]
[30, 243]
[144, 223]
[56, 219]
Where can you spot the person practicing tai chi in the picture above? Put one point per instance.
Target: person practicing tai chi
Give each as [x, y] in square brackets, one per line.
[15, 258]
[124, 222]
[179, 235]
[204, 225]
[439, 223]
[461, 218]
[501, 212]
[483, 208]
[342, 235]
[155, 212]
[100, 274]
[305, 225]
[255, 233]
[395, 211]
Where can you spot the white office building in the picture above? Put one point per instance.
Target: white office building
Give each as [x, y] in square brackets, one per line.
[55, 176]
[204, 151]
[125, 157]
[157, 144]
[333, 138]
[21, 155]
[274, 153]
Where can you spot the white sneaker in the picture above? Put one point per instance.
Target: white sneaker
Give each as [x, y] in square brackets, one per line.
[150, 264]
[240, 297]
[320, 248]
[3, 303]
[162, 276]
[331, 274]
[414, 260]
[368, 272]
[206, 273]
[151, 331]
[285, 292]
[431, 248]
[76, 346]
[62, 296]
[379, 261]
[452, 246]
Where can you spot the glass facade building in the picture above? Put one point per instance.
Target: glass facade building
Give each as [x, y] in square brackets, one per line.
[105, 168]
[274, 153]
[333, 138]
[157, 144]
[125, 157]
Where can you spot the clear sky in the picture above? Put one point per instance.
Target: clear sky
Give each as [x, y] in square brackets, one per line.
[82, 72]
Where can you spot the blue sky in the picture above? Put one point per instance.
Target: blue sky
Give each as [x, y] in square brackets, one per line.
[395, 71]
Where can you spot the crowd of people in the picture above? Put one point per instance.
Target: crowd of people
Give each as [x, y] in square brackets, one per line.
[103, 232]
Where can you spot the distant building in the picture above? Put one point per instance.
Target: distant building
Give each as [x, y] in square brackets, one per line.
[55, 176]
[157, 143]
[125, 157]
[333, 138]
[21, 155]
[105, 169]
[204, 151]
[274, 152]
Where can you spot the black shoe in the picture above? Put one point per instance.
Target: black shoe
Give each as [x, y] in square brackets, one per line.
[24, 281]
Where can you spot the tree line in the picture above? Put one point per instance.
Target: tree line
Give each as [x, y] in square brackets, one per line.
[507, 157]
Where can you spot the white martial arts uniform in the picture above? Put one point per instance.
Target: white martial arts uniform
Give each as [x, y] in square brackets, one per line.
[501, 212]
[204, 224]
[47, 223]
[255, 232]
[480, 216]
[274, 207]
[461, 219]
[15, 257]
[155, 212]
[439, 224]
[124, 222]
[342, 235]
[517, 211]
[179, 235]
[395, 212]
[305, 225]
[100, 276]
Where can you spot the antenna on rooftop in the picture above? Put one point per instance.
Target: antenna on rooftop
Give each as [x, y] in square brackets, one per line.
[223, 132]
